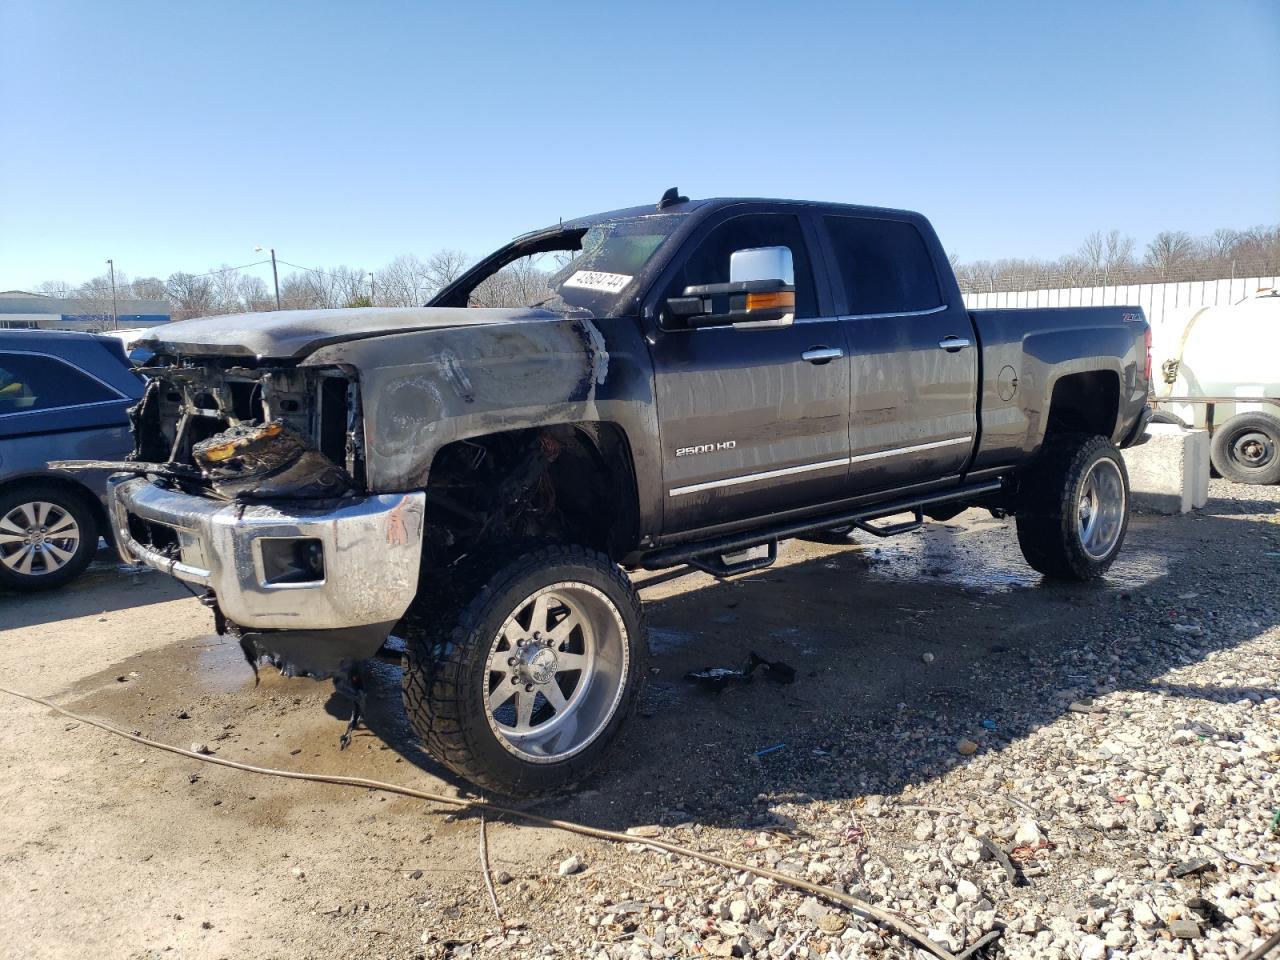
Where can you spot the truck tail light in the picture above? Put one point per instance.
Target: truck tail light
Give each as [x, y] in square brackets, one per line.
[1147, 369]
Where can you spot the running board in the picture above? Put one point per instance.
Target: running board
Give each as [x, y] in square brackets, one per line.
[723, 565]
[732, 543]
[893, 529]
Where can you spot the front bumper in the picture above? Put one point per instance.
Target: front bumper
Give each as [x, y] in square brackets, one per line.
[372, 548]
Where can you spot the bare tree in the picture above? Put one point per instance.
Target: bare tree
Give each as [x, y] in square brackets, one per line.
[1220, 244]
[299, 291]
[254, 293]
[1106, 255]
[1170, 250]
[55, 288]
[518, 284]
[444, 267]
[404, 282]
[147, 288]
[224, 291]
[191, 296]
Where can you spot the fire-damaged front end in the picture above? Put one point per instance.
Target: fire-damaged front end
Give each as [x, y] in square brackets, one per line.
[248, 481]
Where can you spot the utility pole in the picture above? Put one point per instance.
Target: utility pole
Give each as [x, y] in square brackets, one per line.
[371, 291]
[275, 275]
[115, 317]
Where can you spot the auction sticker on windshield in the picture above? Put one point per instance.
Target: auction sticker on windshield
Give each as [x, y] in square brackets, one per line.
[596, 280]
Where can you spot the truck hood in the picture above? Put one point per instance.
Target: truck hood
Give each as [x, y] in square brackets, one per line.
[292, 334]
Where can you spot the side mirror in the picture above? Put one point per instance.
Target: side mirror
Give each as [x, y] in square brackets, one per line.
[761, 289]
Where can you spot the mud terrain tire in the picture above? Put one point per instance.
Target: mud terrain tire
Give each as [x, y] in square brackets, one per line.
[461, 656]
[1073, 507]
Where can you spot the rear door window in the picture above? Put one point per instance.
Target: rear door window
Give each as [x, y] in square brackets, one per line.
[33, 382]
[884, 265]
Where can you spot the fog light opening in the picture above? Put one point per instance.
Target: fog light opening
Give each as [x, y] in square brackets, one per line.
[292, 560]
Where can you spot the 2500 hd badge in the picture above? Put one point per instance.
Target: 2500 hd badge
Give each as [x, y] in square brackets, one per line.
[706, 448]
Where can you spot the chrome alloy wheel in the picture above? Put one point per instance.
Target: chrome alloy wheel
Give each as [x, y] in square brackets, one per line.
[556, 672]
[38, 538]
[1102, 508]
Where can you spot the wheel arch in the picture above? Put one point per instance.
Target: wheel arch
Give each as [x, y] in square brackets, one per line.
[1084, 402]
[589, 462]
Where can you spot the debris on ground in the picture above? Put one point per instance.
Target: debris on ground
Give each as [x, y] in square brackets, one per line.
[569, 866]
[717, 678]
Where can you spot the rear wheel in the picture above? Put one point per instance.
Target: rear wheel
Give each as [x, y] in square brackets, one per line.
[841, 535]
[1246, 448]
[523, 689]
[48, 535]
[1162, 416]
[1073, 508]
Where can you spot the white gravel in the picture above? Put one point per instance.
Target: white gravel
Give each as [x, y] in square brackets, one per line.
[1101, 808]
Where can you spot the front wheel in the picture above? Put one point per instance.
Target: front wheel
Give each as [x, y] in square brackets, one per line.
[1073, 508]
[539, 670]
[1246, 448]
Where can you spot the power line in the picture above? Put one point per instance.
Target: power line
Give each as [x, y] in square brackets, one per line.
[360, 274]
[246, 266]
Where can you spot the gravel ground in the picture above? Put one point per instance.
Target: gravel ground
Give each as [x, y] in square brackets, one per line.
[1089, 769]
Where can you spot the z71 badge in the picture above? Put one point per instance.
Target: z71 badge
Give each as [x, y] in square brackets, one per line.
[706, 448]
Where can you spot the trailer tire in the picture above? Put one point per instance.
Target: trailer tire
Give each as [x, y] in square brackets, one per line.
[1246, 449]
[1073, 507]
[587, 668]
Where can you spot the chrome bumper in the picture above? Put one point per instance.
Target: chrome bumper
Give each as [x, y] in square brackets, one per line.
[371, 553]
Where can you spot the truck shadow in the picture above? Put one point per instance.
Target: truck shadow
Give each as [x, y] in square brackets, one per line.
[102, 588]
[1007, 654]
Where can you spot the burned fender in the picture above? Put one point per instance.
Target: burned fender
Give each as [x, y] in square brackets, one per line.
[422, 390]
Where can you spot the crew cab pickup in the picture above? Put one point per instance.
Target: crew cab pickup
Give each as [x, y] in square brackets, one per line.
[698, 381]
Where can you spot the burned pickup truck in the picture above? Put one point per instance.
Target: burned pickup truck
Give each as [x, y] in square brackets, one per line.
[698, 381]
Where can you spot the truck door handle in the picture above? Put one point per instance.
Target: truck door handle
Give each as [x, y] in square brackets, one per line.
[821, 355]
[952, 344]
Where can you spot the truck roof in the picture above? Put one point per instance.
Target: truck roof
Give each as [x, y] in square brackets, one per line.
[711, 204]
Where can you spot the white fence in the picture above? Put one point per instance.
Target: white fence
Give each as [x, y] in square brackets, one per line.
[1163, 303]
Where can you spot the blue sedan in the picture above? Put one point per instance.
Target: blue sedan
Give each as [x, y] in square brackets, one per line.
[63, 396]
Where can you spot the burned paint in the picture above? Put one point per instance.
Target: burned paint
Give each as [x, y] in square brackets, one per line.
[424, 389]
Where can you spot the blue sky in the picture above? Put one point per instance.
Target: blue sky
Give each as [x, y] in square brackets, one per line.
[177, 136]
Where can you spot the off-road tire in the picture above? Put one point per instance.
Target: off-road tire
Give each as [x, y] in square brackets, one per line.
[74, 505]
[448, 647]
[1048, 504]
[1222, 449]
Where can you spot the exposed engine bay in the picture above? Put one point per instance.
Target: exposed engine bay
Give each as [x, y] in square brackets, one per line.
[245, 433]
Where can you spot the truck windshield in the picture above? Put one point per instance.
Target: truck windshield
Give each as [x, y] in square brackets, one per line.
[592, 276]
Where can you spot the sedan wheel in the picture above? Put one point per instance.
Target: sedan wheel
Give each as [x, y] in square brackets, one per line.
[38, 538]
[46, 537]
